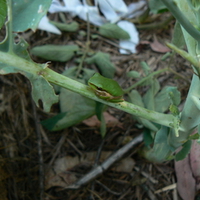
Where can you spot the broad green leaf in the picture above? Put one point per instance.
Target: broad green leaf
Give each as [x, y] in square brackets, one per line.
[20, 49]
[3, 12]
[103, 126]
[113, 31]
[135, 98]
[157, 6]
[70, 72]
[75, 107]
[148, 139]
[161, 135]
[194, 5]
[175, 98]
[100, 107]
[102, 60]
[146, 68]
[99, 112]
[42, 90]
[161, 149]
[184, 151]
[174, 95]
[27, 14]
[149, 97]
[133, 74]
[160, 153]
[55, 52]
[88, 73]
[51, 123]
[178, 39]
[72, 27]
[162, 101]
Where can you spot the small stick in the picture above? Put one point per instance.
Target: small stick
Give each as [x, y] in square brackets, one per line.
[169, 187]
[94, 173]
[108, 189]
[146, 175]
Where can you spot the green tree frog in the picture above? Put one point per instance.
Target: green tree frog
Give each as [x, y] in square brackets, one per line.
[106, 88]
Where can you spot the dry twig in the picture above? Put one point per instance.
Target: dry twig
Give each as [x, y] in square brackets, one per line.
[106, 164]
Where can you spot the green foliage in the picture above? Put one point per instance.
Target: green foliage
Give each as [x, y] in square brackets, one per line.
[74, 107]
[154, 98]
[3, 12]
[162, 101]
[27, 14]
[135, 98]
[149, 96]
[184, 151]
[157, 6]
[55, 52]
[41, 89]
[102, 60]
[175, 98]
[174, 95]
[113, 31]
[178, 39]
[148, 139]
[145, 68]
[161, 149]
[100, 108]
[133, 74]
[72, 27]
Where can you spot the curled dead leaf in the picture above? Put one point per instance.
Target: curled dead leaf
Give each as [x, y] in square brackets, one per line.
[186, 183]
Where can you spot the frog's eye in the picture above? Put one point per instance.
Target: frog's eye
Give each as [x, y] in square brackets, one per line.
[98, 88]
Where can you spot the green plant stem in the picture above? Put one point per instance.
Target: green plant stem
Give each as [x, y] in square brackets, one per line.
[53, 77]
[65, 82]
[190, 115]
[173, 8]
[9, 25]
[187, 56]
[179, 75]
[19, 63]
[80, 66]
[145, 79]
